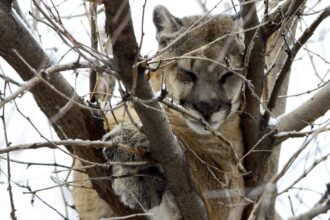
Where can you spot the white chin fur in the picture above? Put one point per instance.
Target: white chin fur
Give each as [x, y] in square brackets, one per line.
[217, 119]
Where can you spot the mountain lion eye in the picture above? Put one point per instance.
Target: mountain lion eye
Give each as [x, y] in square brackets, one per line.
[225, 77]
[186, 76]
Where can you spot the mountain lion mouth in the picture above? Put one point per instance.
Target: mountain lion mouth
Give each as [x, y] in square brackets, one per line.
[201, 129]
[214, 122]
[213, 114]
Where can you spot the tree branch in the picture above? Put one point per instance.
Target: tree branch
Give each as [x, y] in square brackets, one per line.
[22, 89]
[251, 117]
[36, 79]
[78, 143]
[308, 112]
[14, 35]
[164, 146]
[315, 211]
[291, 55]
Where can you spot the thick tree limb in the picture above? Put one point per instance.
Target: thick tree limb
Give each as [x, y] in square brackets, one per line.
[251, 118]
[77, 122]
[308, 112]
[164, 146]
[94, 44]
[275, 58]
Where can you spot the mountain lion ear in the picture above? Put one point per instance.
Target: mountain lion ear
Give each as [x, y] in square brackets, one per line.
[166, 24]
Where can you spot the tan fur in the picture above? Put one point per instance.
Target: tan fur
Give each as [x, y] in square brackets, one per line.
[86, 200]
[213, 165]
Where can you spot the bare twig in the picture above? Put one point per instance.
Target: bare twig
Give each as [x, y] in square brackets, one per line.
[57, 68]
[36, 163]
[6, 78]
[10, 192]
[78, 143]
[38, 197]
[19, 92]
[258, 206]
[305, 173]
[306, 92]
[315, 211]
[67, 36]
[294, 134]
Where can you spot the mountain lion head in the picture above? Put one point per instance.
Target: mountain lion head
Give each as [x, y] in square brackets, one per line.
[201, 67]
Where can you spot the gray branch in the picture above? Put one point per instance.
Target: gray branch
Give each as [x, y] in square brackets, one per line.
[305, 114]
[164, 146]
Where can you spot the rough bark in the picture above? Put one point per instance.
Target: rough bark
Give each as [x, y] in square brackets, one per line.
[77, 122]
[164, 146]
[277, 56]
[251, 118]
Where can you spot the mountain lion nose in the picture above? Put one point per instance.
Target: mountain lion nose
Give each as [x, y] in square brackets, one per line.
[206, 109]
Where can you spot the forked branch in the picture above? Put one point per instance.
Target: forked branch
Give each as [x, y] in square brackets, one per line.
[292, 54]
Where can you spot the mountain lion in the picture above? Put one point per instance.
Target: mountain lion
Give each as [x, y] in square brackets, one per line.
[199, 65]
